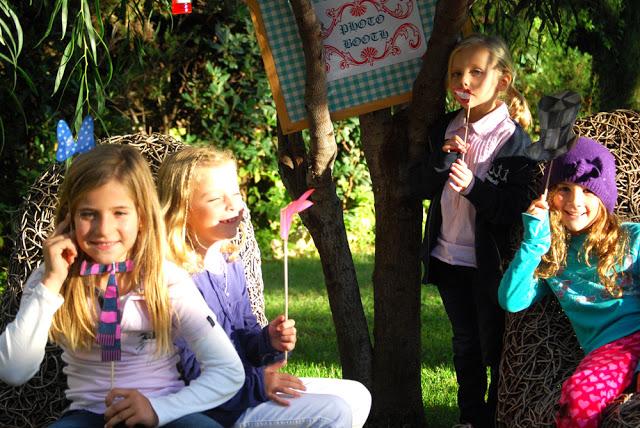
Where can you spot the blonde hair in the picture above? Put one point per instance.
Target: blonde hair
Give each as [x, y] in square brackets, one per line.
[500, 55]
[177, 177]
[75, 323]
[606, 241]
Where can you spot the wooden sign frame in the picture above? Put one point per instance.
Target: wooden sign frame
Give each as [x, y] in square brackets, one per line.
[281, 49]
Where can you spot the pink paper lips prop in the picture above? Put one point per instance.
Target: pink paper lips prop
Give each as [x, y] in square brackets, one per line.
[463, 96]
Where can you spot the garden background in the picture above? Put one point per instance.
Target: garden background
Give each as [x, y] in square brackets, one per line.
[199, 77]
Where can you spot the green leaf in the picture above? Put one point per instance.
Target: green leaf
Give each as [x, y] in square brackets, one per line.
[52, 18]
[86, 14]
[77, 115]
[99, 20]
[7, 31]
[107, 57]
[5, 58]
[66, 56]
[99, 95]
[16, 22]
[15, 48]
[64, 16]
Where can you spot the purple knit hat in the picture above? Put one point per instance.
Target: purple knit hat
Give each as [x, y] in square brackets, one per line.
[588, 164]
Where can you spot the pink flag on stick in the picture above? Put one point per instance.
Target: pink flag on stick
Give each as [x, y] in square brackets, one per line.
[286, 216]
[286, 213]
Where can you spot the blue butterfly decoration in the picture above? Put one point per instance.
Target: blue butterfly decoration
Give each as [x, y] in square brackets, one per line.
[67, 146]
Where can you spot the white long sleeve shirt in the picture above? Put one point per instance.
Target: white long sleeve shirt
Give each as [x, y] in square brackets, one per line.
[156, 376]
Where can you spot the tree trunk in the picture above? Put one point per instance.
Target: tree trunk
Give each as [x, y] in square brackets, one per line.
[324, 219]
[396, 280]
[619, 77]
[615, 49]
[395, 384]
[429, 87]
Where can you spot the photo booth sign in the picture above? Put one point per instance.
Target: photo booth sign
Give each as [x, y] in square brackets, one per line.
[372, 51]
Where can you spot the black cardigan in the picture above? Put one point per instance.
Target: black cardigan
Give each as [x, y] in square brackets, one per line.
[499, 200]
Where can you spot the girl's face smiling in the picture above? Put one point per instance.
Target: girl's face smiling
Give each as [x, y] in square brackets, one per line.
[578, 206]
[473, 72]
[216, 206]
[106, 223]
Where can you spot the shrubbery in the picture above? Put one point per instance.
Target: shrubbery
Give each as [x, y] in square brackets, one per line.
[199, 77]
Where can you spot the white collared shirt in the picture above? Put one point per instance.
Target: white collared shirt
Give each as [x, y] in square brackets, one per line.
[456, 242]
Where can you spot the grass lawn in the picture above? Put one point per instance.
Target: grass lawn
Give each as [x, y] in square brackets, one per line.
[316, 352]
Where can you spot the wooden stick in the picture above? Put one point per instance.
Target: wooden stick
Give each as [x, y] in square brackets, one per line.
[546, 184]
[466, 129]
[286, 279]
[286, 285]
[113, 375]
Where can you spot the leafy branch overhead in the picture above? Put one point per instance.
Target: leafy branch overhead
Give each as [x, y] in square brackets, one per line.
[79, 61]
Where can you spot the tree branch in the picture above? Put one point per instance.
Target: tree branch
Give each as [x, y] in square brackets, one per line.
[429, 90]
[323, 143]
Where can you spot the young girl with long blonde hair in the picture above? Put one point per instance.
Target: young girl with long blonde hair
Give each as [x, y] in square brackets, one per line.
[575, 247]
[203, 208]
[106, 295]
[477, 175]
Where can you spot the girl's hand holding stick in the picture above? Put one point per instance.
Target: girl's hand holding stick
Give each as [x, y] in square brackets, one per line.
[130, 407]
[539, 207]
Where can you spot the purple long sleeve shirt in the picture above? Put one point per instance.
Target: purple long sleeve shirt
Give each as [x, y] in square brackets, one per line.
[226, 294]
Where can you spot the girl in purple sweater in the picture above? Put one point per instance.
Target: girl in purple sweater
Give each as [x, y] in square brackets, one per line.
[203, 209]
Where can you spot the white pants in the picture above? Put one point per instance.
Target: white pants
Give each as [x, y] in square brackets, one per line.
[327, 403]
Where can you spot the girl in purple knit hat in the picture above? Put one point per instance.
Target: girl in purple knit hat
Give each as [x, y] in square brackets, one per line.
[575, 247]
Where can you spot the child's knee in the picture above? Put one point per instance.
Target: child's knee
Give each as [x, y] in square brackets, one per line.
[340, 413]
[360, 403]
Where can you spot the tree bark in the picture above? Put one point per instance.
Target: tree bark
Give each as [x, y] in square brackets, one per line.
[324, 219]
[429, 91]
[619, 77]
[396, 279]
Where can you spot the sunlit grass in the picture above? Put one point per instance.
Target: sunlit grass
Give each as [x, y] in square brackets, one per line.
[316, 352]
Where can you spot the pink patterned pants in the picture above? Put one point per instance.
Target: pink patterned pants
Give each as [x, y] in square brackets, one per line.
[600, 377]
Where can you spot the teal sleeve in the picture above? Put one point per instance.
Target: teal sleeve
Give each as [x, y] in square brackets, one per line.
[519, 288]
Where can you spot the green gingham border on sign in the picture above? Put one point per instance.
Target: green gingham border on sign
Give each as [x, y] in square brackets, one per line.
[349, 92]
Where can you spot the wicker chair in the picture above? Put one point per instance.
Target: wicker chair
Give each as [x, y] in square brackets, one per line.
[540, 349]
[41, 400]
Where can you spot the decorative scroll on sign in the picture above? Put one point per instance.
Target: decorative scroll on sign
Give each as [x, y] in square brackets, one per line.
[372, 51]
[360, 37]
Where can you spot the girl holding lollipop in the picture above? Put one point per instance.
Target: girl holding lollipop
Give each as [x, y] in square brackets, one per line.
[477, 175]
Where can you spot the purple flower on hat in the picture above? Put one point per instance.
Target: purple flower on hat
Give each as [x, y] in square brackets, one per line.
[589, 164]
[586, 169]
